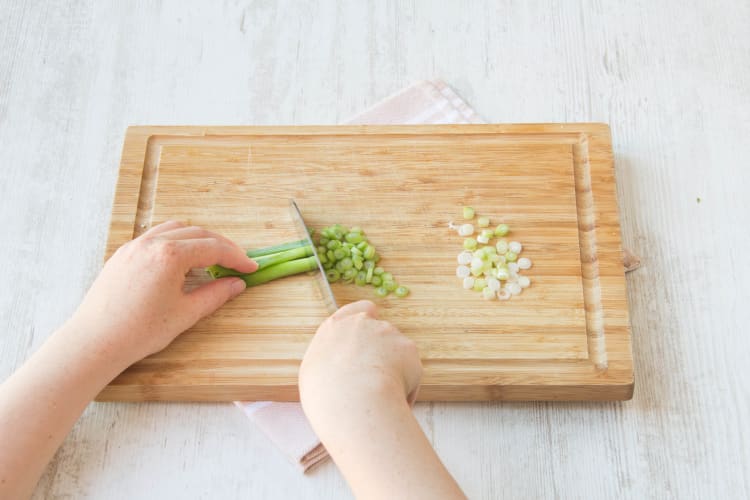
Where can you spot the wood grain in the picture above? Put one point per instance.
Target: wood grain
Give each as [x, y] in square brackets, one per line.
[566, 338]
[670, 77]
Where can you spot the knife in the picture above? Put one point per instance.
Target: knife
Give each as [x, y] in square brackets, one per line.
[325, 287]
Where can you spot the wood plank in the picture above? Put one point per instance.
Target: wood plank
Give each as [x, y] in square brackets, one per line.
[552, 183]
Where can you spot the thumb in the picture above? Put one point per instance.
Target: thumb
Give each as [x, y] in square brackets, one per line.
[215, 294]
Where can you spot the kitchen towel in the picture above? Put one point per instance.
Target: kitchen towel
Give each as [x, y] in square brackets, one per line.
[422, 103]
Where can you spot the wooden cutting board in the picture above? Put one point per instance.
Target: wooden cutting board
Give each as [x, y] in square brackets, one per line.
[566, 337]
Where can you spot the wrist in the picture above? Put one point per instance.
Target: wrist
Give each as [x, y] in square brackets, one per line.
[339, 412]
[88, 345]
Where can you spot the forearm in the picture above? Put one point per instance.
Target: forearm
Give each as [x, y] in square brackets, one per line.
[41, 401]
[383, 453]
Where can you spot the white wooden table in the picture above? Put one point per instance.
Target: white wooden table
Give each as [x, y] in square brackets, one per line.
[672, 79]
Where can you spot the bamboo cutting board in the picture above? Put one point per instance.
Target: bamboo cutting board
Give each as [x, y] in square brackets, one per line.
[566, 337]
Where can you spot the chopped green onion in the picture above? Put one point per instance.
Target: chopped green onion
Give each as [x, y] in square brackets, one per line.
[347, 263]
[390, 285]
[468, 213]
[401, 291]
[332, 275]
[339, 253]
[510, 256]
[349, 274]
[361, 278]
[354, 238]
[368, 276]
[334, 244]
[387, 276]
[483, 221]
[381, 292]
[376, 281]
[369, 252]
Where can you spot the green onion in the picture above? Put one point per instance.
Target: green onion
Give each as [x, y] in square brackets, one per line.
[275, 249]
[381, 292]
[483, 221]
[280, 271]
[376, 281]
[510, 256]
[332, 275]
[401, 291]
[468, 213]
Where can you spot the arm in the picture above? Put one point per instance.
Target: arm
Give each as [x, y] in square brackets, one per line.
[134, 308]
[356, 381]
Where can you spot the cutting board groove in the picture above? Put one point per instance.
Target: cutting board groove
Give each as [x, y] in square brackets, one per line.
[566, 337]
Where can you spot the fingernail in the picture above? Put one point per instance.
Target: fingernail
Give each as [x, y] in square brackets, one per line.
[238, 286]
[255, 265]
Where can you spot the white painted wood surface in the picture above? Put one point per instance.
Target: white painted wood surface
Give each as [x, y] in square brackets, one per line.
[671, 77]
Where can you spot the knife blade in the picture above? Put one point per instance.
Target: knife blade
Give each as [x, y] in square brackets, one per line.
[325, 287]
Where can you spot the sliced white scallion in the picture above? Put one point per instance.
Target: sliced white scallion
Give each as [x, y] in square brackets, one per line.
[468, 282]
[502, 230]
[524, 263]
[513, 267]
[493, 284]
[466, 230]
[462, 271]
[513, 288]
[483, 239]
[464, 257]
[488, 293]
[502, 273]
[501, 246]
[503, 294]
[515, 247]
[483, 222]
[524, 281]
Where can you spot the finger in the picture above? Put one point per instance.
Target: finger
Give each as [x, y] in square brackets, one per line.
[364, 306]
[203, 252]
[211, 296]
[161, 228]
[412, 397]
